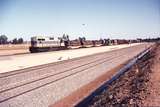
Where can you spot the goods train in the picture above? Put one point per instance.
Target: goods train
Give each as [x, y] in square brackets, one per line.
[43, 44]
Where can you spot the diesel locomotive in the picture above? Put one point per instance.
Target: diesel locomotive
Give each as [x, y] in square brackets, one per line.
[42, 44]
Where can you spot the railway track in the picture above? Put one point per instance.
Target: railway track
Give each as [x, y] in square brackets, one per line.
[32, 69]
[23, 81]
[58, 76]
[41, 70]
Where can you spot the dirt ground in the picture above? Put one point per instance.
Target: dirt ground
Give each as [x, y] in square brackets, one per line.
[13, 52]
[154, 84]
[14, 46]
[140, 86]
[11, 49]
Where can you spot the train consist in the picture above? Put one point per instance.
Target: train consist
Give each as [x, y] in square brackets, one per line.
[43, 44]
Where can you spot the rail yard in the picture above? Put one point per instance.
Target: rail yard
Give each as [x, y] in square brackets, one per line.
[47, 83]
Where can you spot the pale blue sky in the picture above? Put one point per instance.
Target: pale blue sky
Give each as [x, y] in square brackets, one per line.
[102, 18]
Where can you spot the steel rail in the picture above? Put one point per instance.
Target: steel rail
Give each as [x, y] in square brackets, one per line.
[31, 69]
[56, 79]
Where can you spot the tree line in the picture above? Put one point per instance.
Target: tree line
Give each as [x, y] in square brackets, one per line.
[4, 40]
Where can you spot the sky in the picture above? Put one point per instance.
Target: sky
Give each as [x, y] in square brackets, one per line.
[94, 19]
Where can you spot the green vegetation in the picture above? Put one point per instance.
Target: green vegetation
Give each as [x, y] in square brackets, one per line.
[4, 40]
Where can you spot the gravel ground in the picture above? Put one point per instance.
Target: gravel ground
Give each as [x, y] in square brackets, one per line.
[131, 89]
